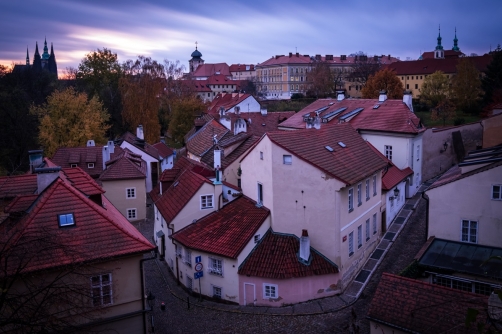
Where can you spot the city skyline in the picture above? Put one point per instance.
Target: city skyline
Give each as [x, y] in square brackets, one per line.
[235, 32]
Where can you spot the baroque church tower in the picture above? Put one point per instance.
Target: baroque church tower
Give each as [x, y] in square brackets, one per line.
[196, 60]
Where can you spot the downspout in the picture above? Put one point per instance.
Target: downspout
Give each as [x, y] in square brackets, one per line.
[175, 255]
[219, 201]
[143, 286]
[426, 198]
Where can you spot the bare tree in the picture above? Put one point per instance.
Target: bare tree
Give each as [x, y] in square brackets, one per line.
[363, 68]
[320, 79]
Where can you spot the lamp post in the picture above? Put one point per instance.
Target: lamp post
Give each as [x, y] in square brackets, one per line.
[151, 302]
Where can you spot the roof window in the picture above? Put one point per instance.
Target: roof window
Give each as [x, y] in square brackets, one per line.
[342, 144]
[329, 148]
[66, 219]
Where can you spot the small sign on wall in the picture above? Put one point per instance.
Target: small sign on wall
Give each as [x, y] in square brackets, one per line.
[344, 238]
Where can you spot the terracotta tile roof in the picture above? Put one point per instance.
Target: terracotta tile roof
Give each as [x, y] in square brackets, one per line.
[350, 164]
[200, 86]
[65, 156]
[241, 67]
[164, 150]
[169, 175]
[257, 124]
[220, 79]
[202, 141]
[281, 59]
[99, 232]
[126, 165]
[429, 66]
[447, 54]
[276, 256]
[198, 122]
[206, 70]
[296, 58]
[20, 203]
[225, 232]
[418, 307]
[227, 101]
[11, 186]
[390, 116]
[174, 199]
[394, 175]
[148, 149]
[246, 144]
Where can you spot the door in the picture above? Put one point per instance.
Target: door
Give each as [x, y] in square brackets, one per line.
[249, 294]
[384, 223]
[163, 247]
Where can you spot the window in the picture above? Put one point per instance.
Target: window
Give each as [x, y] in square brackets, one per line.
[177, 250]
[189, 283]
[418, 152]
[73, 165]
[188, 257]
[470, 231]
[374, 224]
[216, 292]
[90, 165]
[287, 159]
[256, 238]
[351, 243]
[497, 192]
[367, 189]
[351, 199]
[359, 236]
[66, 219]
[206, 201]
[359, 195]
[131, 192]
[239, 183]
[416, 86]
[407, 86]
[388, 152]
[367, 229]
[260, 194]
[270, 291]
[261, 155]
[374, 185]
[215, 266]
[101, 289]
[131, 213]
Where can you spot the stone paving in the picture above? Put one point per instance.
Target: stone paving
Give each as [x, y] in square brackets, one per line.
[338, 314]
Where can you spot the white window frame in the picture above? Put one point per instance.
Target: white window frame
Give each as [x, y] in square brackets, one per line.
[270, 291]
[66, 219]
[90, 165]
[99, 289]
[367, 229]
[287, 159]
[466, 234]
[132, 213]
[259, 193]
[178, 250]
[374, 185]
[131, 193]
[188, 257]
[374, 223]
[499, 186]
[367, 185]
[216, 288]
[359, 236]
[204, 204]
[359, 195]
[351, 199]
[215, 266]
[73, 165]
[351, 243]
[388, 152]
[418, 152]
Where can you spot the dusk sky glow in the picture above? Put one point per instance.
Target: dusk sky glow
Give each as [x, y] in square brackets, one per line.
[246, 32]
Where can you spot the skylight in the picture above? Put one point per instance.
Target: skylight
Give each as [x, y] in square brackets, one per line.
[376, 106]
[175, 184]
[329, 116]
[350, 114]
[320, 110]
[342, 144]
[329, 148]
[66, 219]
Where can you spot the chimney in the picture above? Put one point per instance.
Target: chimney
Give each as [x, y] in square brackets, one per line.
[383, 96]
[45, 177]
[36, 159]
[139, 132]
[317, 123]
[106, 155]
[388, 57]
[263, 111]
[304, 246]
[340, 95]
[408, 99]
[111, 146]
[290, 54]
[90, 143]
[298, 54]
[218, 186]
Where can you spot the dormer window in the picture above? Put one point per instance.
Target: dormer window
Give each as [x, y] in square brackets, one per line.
[73, 165]
[66, 219]
[90, 165]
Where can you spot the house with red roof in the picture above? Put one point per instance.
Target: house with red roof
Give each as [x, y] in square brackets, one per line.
[389, 125]
[316, 179]
[464, 224]
[242, 71]
[166, 155]
[69, 242]
[228, 102]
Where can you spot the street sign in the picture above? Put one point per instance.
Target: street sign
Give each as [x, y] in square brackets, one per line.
[198, 267]
[198, 259]
[198, 274]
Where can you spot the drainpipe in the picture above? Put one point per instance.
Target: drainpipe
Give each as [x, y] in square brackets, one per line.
[143, 286]
[175, 255]
[426, 198]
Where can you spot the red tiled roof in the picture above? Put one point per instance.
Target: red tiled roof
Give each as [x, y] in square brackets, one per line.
[241, 67]
[447, 54]
[420, 307]
[349, 165]
[127, 165]
[164, 150]
[391, 115]
[220, 79]
[148, 149]
[65, 156]
[208, 158]
[277, 60]
[200, 142]
[198, 85]
[225, 232]
[429, 66]
[295, 58]
[258, 124]
[206, 70]
[99, 232]
[277, 256]
[227, 101]
[174, 199]
[20, 203]
[81, 181]
[11, 186]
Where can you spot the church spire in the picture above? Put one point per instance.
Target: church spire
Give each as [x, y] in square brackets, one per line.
[45, 55]
[455, 42]
[37, 62]
[439, 46]
[27, 56]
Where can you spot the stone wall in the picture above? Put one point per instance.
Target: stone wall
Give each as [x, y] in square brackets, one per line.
[492, 131]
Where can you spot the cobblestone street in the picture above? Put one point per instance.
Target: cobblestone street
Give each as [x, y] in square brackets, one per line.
[315, 317]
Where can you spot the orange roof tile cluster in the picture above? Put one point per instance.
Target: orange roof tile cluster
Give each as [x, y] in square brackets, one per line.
[447, 54]
[202, 141]
[126, 165]
[81, 181]
[241, 68]
[20, 203]
[296, 58]
[348, 164]
[418, 307]
[277, 256]
[225, 232]
[227, 101]
[257, 124]
[147, 148]
[429, 66]
[164, 150]
[390, 115]
[82, 156]
[11, 186]
[206, 70]
[246, 142]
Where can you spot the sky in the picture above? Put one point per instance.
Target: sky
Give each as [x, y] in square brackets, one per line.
[243, 32]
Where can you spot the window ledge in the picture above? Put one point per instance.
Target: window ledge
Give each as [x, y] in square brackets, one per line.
[350, 210]
[367, 239]
[359, 246]
[350, 254]
[360, 203]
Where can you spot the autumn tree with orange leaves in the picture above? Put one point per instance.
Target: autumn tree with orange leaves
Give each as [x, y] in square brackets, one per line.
[385, 79]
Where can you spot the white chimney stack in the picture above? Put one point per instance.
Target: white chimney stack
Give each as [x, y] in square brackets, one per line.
[90, 143]
[139, 132]
[106, 156]
[408, 99]
[305, 246]
[111, 146]
[340, 95]
[383, 96]
[317, 122]
[263, 111]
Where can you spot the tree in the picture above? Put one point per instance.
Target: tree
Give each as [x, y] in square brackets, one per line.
[492, 81]
[385, 79]
[466, 86]
[435, 89]
[98, 74]
[184, 112]
[445, 110]
[363, 68]
[141, 88]
[320, 79]
[69, 119]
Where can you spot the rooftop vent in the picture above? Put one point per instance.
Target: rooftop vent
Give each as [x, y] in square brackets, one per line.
[329, 148]
[376, 106]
